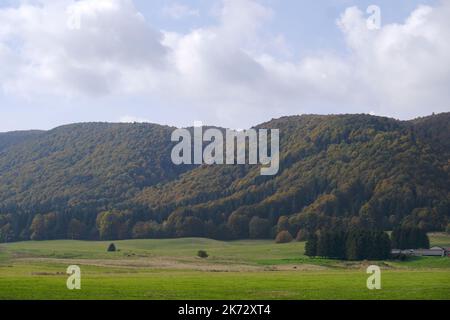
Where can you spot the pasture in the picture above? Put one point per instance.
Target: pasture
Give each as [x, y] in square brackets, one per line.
[170, 269]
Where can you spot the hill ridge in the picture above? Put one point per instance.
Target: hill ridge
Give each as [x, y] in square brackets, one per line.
[336, 171]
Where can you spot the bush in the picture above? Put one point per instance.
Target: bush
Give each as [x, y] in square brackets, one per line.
[448, 229]
[112, 247]
[284, 237]
[202, 254]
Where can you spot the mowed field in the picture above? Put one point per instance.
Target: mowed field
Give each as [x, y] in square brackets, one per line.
[170, 269]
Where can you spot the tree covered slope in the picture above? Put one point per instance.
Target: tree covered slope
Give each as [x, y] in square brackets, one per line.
[84, 167]
[109, 181]
[10, 139]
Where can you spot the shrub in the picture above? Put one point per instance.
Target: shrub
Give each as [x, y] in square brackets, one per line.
[112, 247]
[448, 229]
[202, 254]
[284, 237]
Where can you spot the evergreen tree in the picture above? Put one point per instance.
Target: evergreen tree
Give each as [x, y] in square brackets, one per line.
[311, 246]
[324, 245]
[352, 245]
[338, 244]
[111, 247]
[410, 238]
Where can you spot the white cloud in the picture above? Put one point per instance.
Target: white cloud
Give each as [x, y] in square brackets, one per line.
[403, 68]
[179, 11]
[227, 68]
[112, 45]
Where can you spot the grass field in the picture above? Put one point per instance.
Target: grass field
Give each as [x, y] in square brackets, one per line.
[169, 269]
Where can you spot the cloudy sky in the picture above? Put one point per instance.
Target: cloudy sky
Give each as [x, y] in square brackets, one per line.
[234, 63]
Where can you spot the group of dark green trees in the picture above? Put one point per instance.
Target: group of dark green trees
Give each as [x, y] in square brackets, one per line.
[410, 238]
[349, 245]
[363, 244]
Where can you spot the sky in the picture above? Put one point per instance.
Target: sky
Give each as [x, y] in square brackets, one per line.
[231, 63]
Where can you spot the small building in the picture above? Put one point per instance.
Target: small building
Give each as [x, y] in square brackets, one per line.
[432, 252]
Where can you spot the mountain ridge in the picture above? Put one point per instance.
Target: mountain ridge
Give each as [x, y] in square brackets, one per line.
[336, 171]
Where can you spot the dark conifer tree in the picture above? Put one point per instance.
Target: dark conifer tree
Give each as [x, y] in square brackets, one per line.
[311, 246]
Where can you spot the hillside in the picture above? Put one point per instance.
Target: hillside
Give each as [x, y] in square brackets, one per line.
[9, 139]
[110, 181]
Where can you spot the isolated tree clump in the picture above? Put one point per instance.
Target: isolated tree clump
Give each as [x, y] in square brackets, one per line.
[284, 237]
[202, 254]
[351, 245]
[112, 247]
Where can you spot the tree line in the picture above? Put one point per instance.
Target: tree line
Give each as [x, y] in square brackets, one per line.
[105, 181]
[349, 245]
[410, 238]
[363, 244]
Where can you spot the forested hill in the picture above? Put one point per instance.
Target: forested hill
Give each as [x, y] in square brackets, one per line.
[9, 139]
[109, 181]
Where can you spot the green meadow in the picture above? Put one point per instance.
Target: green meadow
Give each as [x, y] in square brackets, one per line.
[170, 269]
